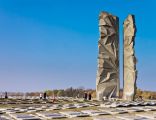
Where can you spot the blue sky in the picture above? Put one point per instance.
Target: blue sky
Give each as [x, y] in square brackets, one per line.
[48, 44]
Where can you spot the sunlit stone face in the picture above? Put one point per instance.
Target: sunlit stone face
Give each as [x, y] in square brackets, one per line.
[130, 72]
[107, 81]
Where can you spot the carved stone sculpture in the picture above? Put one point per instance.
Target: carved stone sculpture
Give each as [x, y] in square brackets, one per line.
[107, 81]
[130, 73]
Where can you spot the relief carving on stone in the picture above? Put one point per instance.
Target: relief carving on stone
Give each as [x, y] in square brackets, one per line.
[107, 81]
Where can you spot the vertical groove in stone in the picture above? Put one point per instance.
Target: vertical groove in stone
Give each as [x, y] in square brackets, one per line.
[107, 80]
[129, 69]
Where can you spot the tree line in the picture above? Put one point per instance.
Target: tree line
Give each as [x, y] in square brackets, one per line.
[79, 92]
[69, 92]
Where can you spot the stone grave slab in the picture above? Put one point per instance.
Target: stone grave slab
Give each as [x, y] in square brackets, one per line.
[130, 109]
[139, 108]
[1, 112]
[49, 109]
[133, 103]
[149, 103]
[4, 117]
[95, 112]
[106, 105]
[145, 108]
[69, 106]
[31, 108]
[94, 104]
[16, 108]
[3, 109]
[106, 118]
[51, 115]
[56, 107]
[12, 111]
[19, 110]
[154, 112]
[153, 108]
[114, 105]
[125, 104]
[43, 107]
[23, 110]
[11, 102]
[147, 115]
[152, 103]
[114, 111]
[131, 117]
[72, 114]
[31, 111]
[39, 109]
[24, 117]
[81, 105]
[144, 103]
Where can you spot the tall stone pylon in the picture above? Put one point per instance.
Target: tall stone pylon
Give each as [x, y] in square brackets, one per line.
[129, 69]
[107, 80]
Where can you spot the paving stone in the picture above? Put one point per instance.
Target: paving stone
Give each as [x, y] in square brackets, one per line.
[72, 114]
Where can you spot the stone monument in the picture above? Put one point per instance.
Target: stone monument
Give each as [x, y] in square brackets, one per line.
[129, 69]
[107, 80]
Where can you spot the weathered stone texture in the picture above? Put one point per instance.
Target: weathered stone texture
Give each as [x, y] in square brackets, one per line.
[107, 81]
[130, 73]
